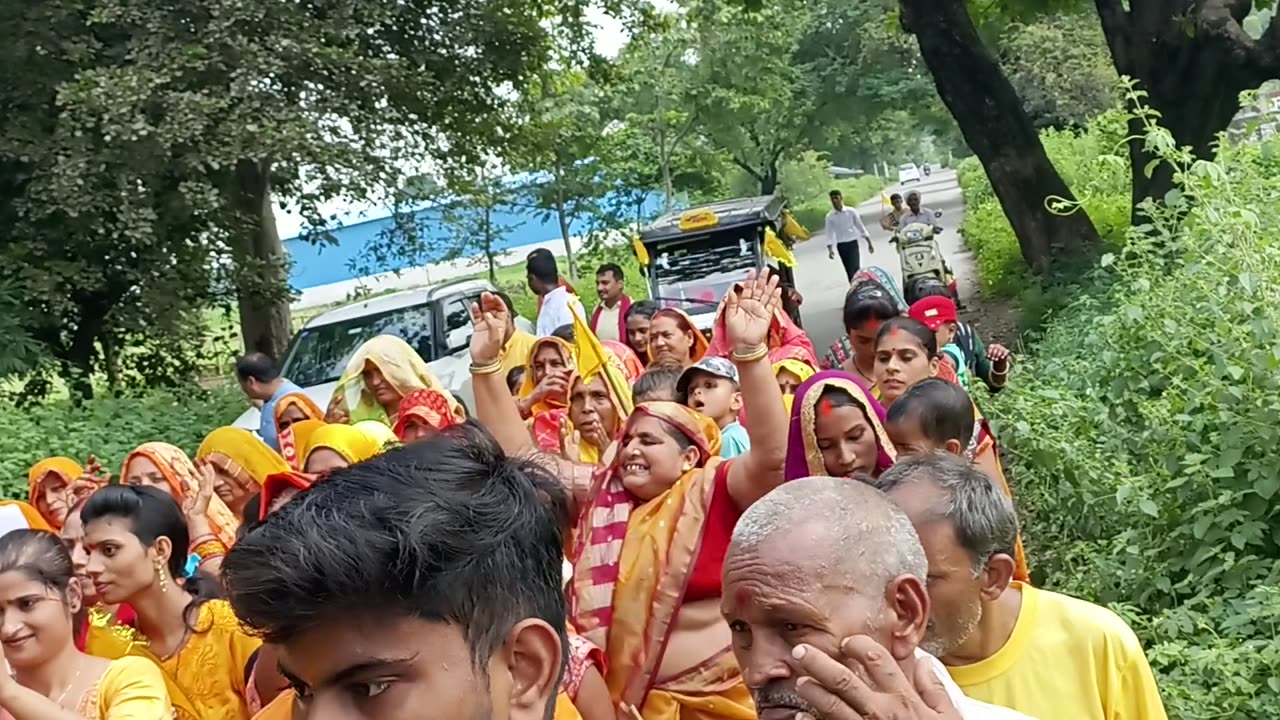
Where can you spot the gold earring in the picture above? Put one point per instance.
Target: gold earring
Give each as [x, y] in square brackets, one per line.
[164, 578]
[688, 466]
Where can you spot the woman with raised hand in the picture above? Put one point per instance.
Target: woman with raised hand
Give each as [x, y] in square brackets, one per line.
[135, 537]
[51, 679]
[652, 601]
[240, 462]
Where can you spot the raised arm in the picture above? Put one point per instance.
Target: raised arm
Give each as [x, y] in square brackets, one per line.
[496, 409]
[748, 314]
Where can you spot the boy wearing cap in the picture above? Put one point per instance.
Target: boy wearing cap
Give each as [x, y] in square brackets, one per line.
[939, 315]
[711, 387]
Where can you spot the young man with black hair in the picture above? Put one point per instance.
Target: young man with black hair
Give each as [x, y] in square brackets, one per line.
[554, 298]
[609, 319]
[423, 584]
[261, 382]
[843, 229]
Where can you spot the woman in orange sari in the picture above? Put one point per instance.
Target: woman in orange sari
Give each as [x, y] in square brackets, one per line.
[544, 393]
[48, 488]
[167, 468]
[674, 338]
[654, 524]
[295, 407]
[423, 413]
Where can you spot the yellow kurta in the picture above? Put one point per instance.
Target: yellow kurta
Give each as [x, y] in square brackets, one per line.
[212, 668]
[131, 688]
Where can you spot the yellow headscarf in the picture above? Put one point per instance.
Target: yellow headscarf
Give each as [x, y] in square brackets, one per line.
[65, 467]
[402, 367]
[294, 440]
[527, 384]
[619, 391]
[351, 443]
[300, 401]
[244, 449]
[184, 483]
[16, 515]
[379, 432]
[800, 369]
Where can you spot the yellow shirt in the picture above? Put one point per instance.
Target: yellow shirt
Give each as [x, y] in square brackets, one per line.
[516, 352]
[131, 688]
[1066, 658]
[282, 708]
[212, 668]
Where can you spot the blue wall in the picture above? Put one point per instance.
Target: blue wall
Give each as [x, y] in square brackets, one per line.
[317, 264]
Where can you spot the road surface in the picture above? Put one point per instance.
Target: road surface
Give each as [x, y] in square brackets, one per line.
[822, 282]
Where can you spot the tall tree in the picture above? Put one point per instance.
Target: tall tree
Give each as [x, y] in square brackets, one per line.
[995, 125]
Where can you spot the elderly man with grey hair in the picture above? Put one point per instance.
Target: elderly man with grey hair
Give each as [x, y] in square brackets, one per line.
[824, 593]
[998, 637]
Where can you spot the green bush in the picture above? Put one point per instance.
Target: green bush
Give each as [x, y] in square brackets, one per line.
[1098, 178]
[109, 427]
[1141, 430]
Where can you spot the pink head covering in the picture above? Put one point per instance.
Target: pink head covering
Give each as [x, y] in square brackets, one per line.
[803, 457]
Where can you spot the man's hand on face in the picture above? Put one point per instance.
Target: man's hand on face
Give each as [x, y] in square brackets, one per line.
[866, 683]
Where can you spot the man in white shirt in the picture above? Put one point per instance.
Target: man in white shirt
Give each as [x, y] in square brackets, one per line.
[823, 575]
[544, 281]
[843, 229]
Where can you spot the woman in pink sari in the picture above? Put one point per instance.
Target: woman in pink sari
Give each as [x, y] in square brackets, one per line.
[837, 429]
[786, 339]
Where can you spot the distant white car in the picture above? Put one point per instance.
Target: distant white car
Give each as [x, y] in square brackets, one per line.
[908, 173]
[435, 321]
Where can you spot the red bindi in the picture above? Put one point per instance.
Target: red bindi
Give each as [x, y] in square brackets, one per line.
[825, 407]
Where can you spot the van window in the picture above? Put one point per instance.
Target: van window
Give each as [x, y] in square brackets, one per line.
[457, 323]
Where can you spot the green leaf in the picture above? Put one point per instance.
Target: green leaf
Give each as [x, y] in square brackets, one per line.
[1267, 486]
[1148, 506]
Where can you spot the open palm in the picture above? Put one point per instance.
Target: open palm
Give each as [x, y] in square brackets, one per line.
[749, 312]
[489, 329]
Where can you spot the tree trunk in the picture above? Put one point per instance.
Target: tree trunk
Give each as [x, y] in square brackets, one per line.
[995, 125]
[111, 360]
[488, 244]
[263, 282]
[769, 180]
[563, 218]
[1193, 60]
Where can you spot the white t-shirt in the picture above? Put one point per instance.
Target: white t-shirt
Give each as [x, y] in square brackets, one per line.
[969, 708]
[555, 311]
[844, 225]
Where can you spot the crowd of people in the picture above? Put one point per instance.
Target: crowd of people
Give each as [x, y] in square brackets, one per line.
[633, 521]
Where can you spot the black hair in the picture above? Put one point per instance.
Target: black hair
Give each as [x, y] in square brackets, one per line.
[926, 286]
[895, 196]
[257, 366]
[542, 266]
[614, 268]
[40, 555]
[564, 332]
[250, 515]
[912, 327]
[868, 301]
[153, 513]
[448, 530]
[646, 308]
[506, 300]
[514, 378]
[657, 383]
[835, 194]
[942, 408]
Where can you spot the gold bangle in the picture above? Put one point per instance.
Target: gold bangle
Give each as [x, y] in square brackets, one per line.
[209, 549]
[490, 369]
[759, 353]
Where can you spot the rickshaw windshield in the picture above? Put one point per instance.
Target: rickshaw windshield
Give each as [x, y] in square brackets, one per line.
[694, 276]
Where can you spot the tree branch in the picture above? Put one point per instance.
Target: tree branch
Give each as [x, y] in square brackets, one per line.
[1115, 27]
[749, 170]
[1221, 20]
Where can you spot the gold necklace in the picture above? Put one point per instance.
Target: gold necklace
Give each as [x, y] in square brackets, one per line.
[70, 685]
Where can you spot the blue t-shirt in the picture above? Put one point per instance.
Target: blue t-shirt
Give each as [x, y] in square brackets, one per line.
[733, 440]
[267, 425]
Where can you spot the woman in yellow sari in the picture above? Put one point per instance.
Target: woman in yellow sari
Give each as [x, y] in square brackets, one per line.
[673, 338]
[48, 488]
[134, 536]
[295, 439]
[378, 376]
[598, 406]
[240, 463]
[654, 524]
[295, 407]
[337, 446]
[35, 567]
[212, 527]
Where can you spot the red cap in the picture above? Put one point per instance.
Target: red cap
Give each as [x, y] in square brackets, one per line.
[934, 311]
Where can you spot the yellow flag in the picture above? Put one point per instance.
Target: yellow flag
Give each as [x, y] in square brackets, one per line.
[591, 359]
[884, 199]
[642, 253]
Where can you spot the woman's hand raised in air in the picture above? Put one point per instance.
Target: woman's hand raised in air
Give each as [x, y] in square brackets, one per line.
[749, 311]
[489, 320]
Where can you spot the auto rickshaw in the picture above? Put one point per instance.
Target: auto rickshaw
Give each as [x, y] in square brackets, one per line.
[692, 258]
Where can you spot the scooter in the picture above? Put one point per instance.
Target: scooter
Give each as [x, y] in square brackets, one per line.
[927, 170]
[921, 259]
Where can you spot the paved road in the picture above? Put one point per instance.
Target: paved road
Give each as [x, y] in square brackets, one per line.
[821, 280]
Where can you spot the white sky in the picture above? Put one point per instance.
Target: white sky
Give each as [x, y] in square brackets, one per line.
[609, 39]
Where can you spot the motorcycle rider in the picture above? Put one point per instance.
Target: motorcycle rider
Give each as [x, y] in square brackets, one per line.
[917, 214]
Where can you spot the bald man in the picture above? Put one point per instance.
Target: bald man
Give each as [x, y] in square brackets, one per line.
[823, 570]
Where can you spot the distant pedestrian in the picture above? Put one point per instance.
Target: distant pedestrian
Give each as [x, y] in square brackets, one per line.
[545, 253]
[609, 320]
[544, 281]
[844, 228]
[260, 380]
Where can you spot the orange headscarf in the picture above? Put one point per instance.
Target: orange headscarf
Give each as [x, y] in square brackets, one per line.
[184, 483]
[699, 347]
[299, 400]
[15, 515]
[64, 467]
[623, 358]
[428, 406]
[278, 483]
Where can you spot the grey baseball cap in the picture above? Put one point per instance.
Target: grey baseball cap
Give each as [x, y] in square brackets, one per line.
[718, 366]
